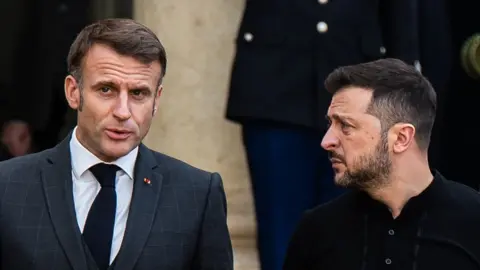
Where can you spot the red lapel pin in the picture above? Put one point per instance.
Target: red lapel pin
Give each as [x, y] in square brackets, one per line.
[147, 181]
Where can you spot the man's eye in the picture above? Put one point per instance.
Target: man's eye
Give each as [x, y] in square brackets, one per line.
[105, 89]
[345, 126]
[137, 92]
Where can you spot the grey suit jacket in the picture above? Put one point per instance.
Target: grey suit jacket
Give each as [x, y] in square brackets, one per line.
[176, 222]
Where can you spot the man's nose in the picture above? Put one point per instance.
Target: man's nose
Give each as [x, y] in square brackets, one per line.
[122, 108]
[330, 141]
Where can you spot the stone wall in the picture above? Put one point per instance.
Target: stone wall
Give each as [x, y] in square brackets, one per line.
[190, 125]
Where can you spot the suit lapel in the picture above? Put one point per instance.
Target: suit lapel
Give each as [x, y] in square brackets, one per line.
[146, 191]
[57, 185]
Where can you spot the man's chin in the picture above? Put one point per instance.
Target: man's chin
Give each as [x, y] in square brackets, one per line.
[117, 149]
[341, 180]
[338, 175]
[341, 183]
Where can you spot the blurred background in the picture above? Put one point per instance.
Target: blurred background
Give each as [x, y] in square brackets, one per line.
[243, 94]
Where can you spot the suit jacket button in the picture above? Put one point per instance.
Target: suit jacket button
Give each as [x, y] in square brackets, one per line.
[248, 37]
[322, 27]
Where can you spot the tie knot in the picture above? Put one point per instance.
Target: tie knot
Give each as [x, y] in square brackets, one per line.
[105, 174]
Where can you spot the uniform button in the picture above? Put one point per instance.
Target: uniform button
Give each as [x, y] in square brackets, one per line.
[391, 232]
[248, 37]
[417, 66]
[388, 261]
[322, 27]
[383, 50]
[323, 2]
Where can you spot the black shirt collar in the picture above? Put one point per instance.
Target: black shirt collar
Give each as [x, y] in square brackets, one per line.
[414, 207]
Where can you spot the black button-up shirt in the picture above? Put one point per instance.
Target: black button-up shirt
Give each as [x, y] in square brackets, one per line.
[438, 229]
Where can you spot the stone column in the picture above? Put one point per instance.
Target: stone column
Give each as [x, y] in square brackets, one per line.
[199, 40]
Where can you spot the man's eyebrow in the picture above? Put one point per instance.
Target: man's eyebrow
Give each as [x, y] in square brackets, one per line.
[338, 117]
[140, 87]
[113, 84]
[104, 83]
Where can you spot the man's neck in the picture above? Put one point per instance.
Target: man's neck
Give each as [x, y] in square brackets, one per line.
[401, 189]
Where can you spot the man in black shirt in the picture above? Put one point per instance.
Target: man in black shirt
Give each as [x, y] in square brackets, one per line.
[399, 214]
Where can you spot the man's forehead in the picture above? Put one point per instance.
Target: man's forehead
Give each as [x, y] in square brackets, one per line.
[350, 100]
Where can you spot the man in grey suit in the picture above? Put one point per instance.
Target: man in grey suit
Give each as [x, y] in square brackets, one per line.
[101, 199]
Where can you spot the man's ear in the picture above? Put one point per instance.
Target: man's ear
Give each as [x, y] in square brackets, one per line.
[157, 99]
[72, 93]
[404, 136]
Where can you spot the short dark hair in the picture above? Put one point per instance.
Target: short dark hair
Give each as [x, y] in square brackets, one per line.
[400, 94]
[127, 37]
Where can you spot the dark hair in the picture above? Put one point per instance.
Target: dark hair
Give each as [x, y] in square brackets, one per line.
[127, 37]
[400, 94]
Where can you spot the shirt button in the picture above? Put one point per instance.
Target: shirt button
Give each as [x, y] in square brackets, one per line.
[322, 1]
[388, 261]
[391, 232]
[322, 27]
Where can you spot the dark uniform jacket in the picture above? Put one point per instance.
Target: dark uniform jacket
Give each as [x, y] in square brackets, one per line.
[286, 48]
[435, 36]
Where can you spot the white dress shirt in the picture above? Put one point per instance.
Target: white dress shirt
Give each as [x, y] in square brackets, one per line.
[86, 188]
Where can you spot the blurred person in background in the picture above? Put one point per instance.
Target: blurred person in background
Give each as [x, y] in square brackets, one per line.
[36, 36]
[16, 137]
[284, 51]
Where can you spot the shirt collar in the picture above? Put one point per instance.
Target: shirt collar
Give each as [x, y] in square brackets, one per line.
[427, 198]
[83, 159]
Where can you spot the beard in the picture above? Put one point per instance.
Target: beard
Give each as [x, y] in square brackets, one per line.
[369, 171]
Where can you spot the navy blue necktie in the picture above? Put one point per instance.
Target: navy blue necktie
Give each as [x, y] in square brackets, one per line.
[98, 230]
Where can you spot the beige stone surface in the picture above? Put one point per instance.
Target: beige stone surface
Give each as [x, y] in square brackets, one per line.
[190, 125]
